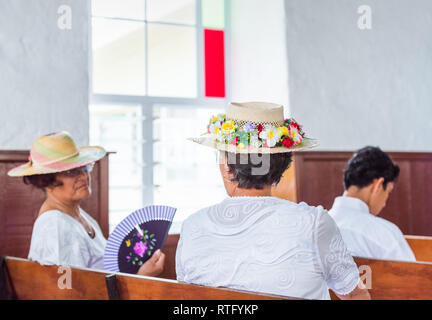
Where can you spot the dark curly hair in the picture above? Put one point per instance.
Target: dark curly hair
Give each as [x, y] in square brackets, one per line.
[367, 164]
[42, 181]
[245, 168]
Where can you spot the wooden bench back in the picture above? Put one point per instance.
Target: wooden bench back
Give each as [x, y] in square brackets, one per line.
[421, 246]
[396, 280]
[32, 281]
[390, 280]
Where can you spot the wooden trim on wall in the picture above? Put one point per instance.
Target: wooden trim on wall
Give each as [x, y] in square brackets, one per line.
[319, 179]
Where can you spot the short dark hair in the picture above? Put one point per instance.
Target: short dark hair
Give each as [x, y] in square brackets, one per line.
[367, 164]
[242, 170]
[42, 181]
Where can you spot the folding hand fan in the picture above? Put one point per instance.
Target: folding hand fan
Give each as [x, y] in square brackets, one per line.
[137, 237]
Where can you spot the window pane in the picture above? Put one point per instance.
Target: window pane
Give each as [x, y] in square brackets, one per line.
[129, 9]
[172, 66]
[186, 174]
[118, 57]
[176, 11]
[213, 14]
[118, 128]
[115, 217]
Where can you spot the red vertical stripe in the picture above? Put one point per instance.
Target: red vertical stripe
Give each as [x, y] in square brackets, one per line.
[214, 60]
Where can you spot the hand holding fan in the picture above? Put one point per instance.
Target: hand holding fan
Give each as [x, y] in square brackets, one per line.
[137, 237]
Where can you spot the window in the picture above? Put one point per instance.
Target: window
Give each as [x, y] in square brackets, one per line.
[158, 74]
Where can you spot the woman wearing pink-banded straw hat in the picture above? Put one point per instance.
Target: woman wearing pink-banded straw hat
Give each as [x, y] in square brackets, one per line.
[63, 233]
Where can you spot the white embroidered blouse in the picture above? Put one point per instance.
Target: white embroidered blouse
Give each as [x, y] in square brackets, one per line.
[59, 239]
[265, 244]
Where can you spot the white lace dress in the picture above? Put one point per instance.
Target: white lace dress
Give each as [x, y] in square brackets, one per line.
[59, 239]
[265, 244]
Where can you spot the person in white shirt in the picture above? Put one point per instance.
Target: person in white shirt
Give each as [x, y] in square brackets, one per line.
[369, 178]
[63, 233]
[255, 242]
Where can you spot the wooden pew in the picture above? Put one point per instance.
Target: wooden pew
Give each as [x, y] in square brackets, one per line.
[390, 279]
[31, 281]
[396, 280]
[421, 246]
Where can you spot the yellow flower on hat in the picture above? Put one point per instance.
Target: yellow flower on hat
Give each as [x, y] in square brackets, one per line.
[228, 127]
[214, 119]
[283, 131]
[241, 145]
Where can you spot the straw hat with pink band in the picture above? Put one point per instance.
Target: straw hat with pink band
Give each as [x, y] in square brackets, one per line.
[255, 127]
[57, 152]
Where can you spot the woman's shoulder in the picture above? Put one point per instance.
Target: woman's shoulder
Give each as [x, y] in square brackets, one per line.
[231, 206]
[301, 208]
[87, 215]
[52, 219]
[197, 216]
[51, 215]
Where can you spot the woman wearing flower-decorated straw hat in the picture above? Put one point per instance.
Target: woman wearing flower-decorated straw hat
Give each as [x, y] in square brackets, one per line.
[63, 233]
[251, 240]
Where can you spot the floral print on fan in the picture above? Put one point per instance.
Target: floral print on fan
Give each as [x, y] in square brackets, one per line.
[141, 244]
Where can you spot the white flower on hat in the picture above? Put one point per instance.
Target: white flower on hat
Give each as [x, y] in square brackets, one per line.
[215, 128]
[219, 136]
[295, 135]
[219, 118]
[271, 135]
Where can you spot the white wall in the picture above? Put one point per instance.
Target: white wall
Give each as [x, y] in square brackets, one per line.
[258, 51]
[43, 71]
[347, 86]
[352, 87]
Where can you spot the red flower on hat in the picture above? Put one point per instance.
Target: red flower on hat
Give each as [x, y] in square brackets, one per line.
[287, 142]
[295, 125]
[260, 128]
[235, 141]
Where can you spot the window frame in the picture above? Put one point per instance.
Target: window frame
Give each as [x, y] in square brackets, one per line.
[147, 102]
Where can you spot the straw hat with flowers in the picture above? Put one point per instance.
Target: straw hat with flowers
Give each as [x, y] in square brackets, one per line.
[255, 127]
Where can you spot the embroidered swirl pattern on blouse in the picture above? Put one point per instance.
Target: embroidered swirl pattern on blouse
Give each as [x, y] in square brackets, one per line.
[339, 263]
[233, 214]
[285, 278]
[270, 246]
